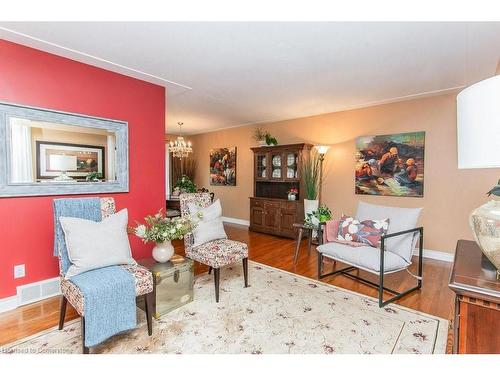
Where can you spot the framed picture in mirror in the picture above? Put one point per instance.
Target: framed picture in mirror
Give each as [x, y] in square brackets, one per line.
[76, 161]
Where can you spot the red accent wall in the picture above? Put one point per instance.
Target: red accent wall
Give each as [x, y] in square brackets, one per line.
[36, 78]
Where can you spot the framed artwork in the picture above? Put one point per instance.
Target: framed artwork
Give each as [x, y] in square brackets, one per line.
[223, 166]
[76, 160]
[390, 165]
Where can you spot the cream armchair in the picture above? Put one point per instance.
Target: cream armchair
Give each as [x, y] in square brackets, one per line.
[395, 253]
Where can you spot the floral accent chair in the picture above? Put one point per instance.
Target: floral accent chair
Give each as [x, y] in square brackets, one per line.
[215, 254]
[72, 294]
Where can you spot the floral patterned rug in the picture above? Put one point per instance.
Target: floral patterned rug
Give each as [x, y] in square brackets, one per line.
[279, 313]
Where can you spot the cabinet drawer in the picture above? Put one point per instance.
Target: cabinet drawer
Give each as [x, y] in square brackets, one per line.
[292, 205]
[271, 205]
[256, 203]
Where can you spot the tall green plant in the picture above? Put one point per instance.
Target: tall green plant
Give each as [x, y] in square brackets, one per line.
[310, 174]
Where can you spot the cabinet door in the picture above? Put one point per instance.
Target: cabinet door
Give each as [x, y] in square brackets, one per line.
[288, 218]
[272, 216]
[291, 165]
[257, 216]
[261, 166]
[276, 166]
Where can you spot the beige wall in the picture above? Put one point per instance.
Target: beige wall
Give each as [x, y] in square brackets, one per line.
[449, 194]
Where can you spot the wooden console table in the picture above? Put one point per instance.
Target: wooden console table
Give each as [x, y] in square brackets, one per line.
[477, 302]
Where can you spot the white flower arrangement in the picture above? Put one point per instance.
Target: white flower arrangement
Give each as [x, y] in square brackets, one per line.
[159, 228]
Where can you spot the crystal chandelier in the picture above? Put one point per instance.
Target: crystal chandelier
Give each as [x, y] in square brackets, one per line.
[180, 148]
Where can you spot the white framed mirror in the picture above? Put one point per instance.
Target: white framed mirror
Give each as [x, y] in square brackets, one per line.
[46, 152]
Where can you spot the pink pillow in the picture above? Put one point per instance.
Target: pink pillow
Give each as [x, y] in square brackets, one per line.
[330, 230]
[367, 232]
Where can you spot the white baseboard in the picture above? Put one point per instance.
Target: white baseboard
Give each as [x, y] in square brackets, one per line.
[234, 220]
[29, 293]
[437, 255]
[9, 303]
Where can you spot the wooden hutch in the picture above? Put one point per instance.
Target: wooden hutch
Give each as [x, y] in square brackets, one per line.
[276, 170]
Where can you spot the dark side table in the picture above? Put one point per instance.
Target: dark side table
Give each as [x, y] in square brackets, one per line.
[308, 230]
[477, 302]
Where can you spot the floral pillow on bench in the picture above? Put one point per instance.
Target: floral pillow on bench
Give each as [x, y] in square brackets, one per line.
[368, 232]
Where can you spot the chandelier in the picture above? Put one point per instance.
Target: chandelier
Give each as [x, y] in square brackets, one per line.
[180, 148]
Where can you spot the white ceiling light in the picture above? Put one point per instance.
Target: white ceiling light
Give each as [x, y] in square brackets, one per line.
[180, 148]
[478, 125]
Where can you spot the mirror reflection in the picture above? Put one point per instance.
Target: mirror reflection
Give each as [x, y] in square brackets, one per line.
[45, 152]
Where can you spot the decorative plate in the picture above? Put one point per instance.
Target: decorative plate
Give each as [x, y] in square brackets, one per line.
[290, 173]
[277, 161]
[264, 161]
[276, 173]
[290, 160]
[264, 173]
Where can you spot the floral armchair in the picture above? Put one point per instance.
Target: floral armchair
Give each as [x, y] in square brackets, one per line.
[215, 254]
[70, 292]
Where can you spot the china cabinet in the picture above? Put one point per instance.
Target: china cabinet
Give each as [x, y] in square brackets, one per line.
[276, 171]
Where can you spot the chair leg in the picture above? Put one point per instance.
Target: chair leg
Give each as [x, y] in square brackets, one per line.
[62, 314]
[217, 280]
[209, 270]
[245, 271]
[381, 290]
[297, 247]
[309, 242]
[320, 265]
[85, 349]
[148, 301]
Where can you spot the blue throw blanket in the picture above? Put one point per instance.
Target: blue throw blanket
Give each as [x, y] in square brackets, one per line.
[109, 302]
[109, 293]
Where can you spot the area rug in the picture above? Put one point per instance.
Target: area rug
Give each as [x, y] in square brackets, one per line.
[279, 313]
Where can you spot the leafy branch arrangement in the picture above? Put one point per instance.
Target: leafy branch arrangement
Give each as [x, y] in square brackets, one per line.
[310, 174]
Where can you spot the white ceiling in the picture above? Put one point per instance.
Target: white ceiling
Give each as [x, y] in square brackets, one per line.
[231, 74]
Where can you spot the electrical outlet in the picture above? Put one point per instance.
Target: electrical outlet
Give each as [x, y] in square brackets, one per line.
[19, 271]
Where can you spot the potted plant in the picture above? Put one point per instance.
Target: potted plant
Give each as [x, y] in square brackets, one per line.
[162, 230]
[322, 215]
[184, 185]
[292, 193]
[264, 138]
[260, 136]
[93, 177]
[270, 140]
[310, 175]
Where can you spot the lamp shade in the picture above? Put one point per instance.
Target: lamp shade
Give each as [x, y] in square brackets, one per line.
[478, 125]
[322, 149]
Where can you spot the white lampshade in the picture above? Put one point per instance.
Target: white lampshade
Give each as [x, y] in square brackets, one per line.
[322, 149]
[478, 125]
[62, 163]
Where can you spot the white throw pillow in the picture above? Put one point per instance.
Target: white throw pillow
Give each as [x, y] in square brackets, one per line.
[209, 223]
[94, 244]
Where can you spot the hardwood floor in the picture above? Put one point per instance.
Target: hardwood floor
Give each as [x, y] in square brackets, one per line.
[434, 298]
